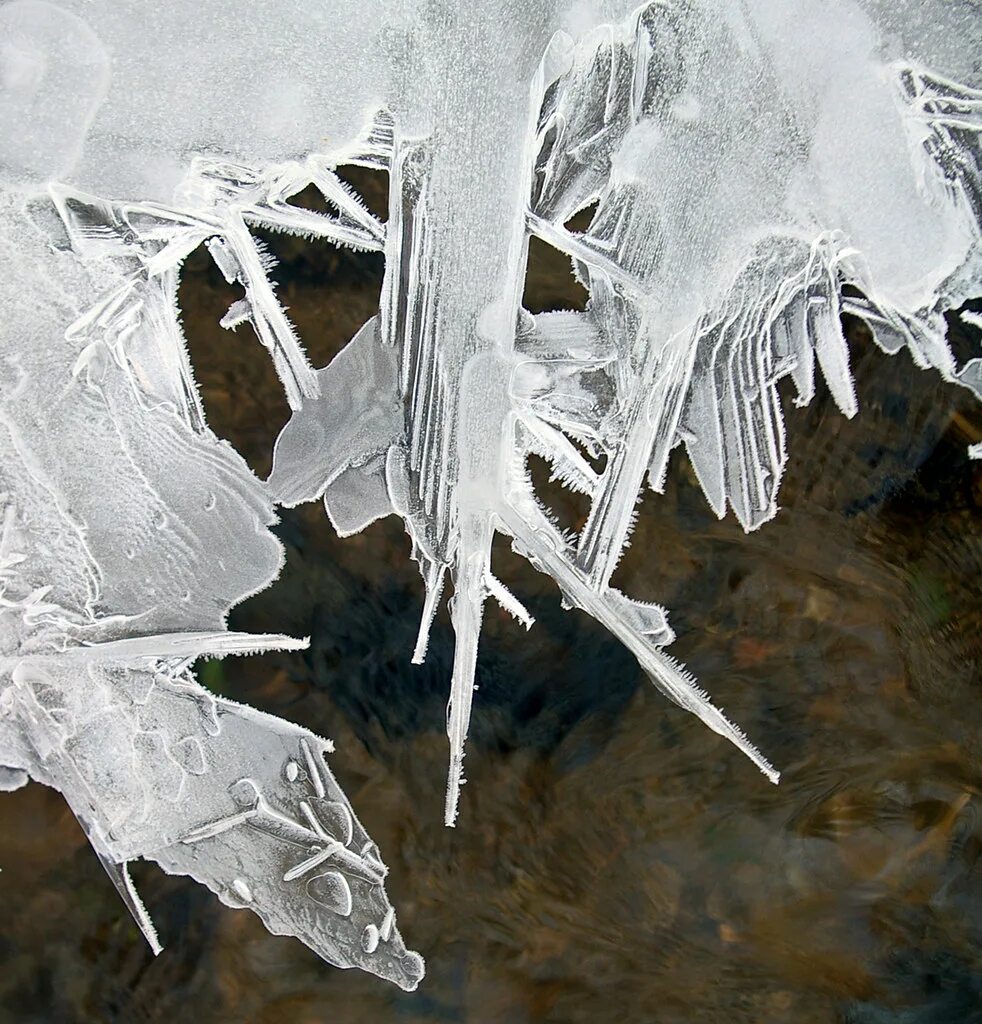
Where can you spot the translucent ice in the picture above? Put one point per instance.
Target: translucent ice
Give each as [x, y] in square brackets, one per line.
[753, 171]
[128, 531]
[745, 167]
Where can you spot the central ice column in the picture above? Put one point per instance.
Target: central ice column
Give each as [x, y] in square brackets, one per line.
[455, 273]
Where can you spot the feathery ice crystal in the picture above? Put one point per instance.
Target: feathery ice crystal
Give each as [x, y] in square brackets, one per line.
[753, 171]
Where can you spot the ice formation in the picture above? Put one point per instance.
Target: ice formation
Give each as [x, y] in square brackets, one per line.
[754, 170]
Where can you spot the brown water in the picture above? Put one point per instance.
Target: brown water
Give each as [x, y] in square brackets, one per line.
[615, 860]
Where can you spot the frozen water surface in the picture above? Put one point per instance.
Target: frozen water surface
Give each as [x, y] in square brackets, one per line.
[750, 173]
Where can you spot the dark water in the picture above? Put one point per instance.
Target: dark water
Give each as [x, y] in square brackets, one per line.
[615, 860]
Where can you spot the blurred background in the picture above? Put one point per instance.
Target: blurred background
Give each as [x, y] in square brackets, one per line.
[614, 859]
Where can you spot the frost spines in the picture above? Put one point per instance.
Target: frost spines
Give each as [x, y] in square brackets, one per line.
[223, 201]
[640, 628]
[98, 697]
[952, 113]
[730, 232]
[205, 812]
[711, 385]
[120, 876]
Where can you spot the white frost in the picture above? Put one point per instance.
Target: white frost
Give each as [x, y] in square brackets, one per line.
[754, 171]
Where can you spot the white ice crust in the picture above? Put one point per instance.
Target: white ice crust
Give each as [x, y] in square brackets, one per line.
[754, 170]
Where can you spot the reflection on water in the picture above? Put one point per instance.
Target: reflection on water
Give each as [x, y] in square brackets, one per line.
[615, 860]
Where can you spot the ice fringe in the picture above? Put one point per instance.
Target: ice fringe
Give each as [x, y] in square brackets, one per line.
[754, 171]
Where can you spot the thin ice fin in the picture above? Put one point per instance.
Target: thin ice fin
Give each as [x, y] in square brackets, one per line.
[466, 612]
[120, 875]
[731, 220]
[433, 577]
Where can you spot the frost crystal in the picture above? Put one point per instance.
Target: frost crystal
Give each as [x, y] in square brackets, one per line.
[752, 172]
